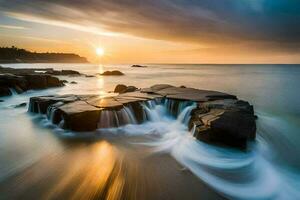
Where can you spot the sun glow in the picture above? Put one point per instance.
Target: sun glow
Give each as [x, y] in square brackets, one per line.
[100, 51]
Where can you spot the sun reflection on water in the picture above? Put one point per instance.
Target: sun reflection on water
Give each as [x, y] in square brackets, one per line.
[100, 81]
[87, 171]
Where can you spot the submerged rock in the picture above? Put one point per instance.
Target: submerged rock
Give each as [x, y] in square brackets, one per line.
[112, 73]
[89, 76]
[141, 66]
[21, 105]
[218, 118]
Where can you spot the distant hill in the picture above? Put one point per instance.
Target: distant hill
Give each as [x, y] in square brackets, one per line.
[16, 55]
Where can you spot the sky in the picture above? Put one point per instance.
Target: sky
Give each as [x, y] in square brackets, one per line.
[157, 31]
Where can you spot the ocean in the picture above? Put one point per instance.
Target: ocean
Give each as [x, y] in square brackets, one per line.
[37, 158]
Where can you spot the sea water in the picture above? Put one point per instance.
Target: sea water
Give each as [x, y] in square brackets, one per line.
[269, 169]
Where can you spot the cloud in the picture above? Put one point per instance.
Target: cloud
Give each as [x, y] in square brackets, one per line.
[203, 22]
[12, 27]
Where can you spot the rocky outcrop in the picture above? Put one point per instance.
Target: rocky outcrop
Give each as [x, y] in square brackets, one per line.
[22, 80]
[26, 82]
[112, 73]
[218, 118]
[229, 121]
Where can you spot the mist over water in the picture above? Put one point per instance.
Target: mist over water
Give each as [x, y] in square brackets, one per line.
[269, 169]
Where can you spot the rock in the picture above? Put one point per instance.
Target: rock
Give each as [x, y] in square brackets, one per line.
[17, 83]
[64, 81]
[21, 83]
[219, 118]
[120, 88]
[21, 105]
[73, 82]
[138, 66]
[131, 88]
[80, 116]
[37, 71]
[1, 100]
[228, 122]
[40, 104]
[89, 76]
[191, 94]
[4, 91]
[69, 72]
[112, 73]
[42, 81]
[50, 71]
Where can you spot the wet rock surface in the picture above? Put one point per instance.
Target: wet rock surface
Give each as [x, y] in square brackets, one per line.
[22, 83]
[24, 79]
[218, 117]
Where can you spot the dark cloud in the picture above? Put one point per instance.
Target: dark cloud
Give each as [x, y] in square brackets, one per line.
[200, 21]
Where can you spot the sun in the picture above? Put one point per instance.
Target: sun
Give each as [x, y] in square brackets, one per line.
[99, 51]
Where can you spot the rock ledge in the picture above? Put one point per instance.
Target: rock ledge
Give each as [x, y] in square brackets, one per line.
[218, 118]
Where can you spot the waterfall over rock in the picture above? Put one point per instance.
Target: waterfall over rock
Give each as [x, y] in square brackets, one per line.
[215, 117]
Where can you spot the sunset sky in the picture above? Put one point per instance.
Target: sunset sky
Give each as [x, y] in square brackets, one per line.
[157, 31]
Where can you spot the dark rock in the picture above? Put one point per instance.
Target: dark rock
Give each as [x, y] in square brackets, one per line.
[42, 81]
[142, 66]
[73, 82]
[89, 76]
[69, 72]
[21, 83]
[18, 89]
[112, 73]
[1, 100]
[4, 91]
[40, 104]
[37, 71]
[80, 116]
[228, 122]
[62, 72]
[64, 81]
[131, 88]
[21, 105]
[120, 88]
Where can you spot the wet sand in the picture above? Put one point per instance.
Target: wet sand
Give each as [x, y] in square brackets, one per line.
[106, 169]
